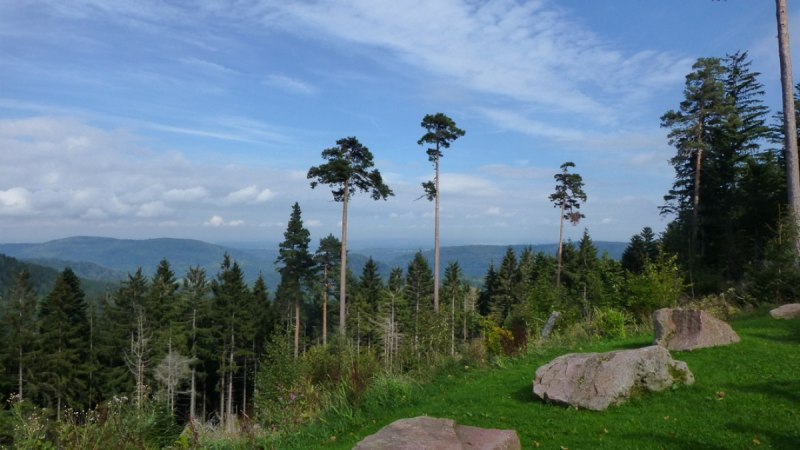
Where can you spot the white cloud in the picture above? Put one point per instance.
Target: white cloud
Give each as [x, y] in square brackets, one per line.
[472, 185]
[208, 66]
[215, 221]
[251, 195]
[153, 209]
[14, 201]
[288, 84]
[531, 52]
[186, 195]
[493, 211]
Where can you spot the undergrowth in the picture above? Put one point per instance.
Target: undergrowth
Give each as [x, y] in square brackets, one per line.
[745, 396]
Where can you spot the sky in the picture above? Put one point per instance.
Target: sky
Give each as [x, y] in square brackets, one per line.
[145, 119]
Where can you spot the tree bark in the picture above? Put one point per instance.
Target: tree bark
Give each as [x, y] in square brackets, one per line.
[343, 269]
[19, 375]
[297, 326]
[193, 392]
[789, 125]
[436, 236]
[325, 306]
[560, 248]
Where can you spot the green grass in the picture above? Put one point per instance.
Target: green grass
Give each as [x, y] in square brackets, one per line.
[746, 395]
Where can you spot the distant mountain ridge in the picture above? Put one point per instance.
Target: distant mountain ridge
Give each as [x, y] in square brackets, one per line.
[108, 259]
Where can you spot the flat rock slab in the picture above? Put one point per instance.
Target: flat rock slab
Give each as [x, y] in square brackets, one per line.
[688, 329]
[598, 380]
[429, 433]
[789, 311]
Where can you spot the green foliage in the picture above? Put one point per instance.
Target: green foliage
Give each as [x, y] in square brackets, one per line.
[660, 285]
[498, 341]
[113, 424]
[568, 193]
[723, 409]
[348, 171]
[283, 395]
[609, 323]
[776, 279]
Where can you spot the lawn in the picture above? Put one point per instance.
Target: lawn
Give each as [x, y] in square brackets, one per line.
[746, 395]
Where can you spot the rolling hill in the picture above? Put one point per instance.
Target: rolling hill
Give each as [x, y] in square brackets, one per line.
[107, 259]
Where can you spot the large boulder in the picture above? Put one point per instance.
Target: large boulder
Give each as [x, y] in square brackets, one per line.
[429, 433]
[598, 380]
[790, 311]
[688, 329]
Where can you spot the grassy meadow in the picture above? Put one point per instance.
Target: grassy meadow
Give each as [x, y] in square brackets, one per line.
[746, 396]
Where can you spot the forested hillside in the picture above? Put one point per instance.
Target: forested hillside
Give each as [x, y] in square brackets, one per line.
[191, 340]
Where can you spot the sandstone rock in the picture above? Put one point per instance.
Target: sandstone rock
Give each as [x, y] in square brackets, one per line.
[686, 329]
[790, 311]
[598, 380]
[429, 433]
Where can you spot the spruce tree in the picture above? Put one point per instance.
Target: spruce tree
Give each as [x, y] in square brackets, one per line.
[504, 289]
[295, 265]
[419, 291]
[194, 290]
[63, 353]
[20, 323]
[229, 313]
[327, 258]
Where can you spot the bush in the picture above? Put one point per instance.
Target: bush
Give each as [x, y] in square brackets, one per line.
[724, 306]
[388, 391]
[609, 323]
[498, 341]
[281, 391]
[660, 285]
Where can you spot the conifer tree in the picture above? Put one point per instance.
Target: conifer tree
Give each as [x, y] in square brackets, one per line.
[63, 353]
[20, 324]
[194, 290]
[441, 131]
[230, 296]
[368, 294]
[327, 257]
[453, 290]
[419, 290]
[567, 197]
[348, 171]
[505, 287]
[295, 267]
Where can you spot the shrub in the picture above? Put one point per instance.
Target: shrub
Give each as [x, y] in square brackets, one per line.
[609, 323]
[388, 391]
[660, 285]
[724, 306]
[498, 341]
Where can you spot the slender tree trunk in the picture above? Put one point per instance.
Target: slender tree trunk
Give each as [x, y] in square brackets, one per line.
[436, 236]
[343, 269]
[464, 330]
[560, 249]
[296, 326]
[453, 325]
[789, 125]
[229, 412]
[19, 376]
[193, 392]
[698, 166]
[325, 306]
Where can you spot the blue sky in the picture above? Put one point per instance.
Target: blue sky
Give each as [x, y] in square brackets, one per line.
[200, 119]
